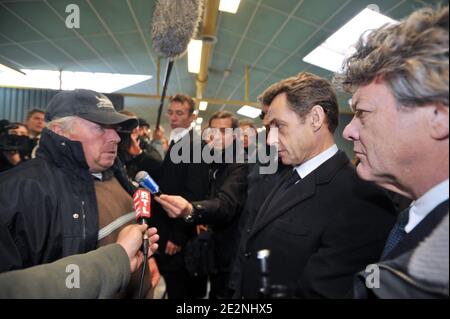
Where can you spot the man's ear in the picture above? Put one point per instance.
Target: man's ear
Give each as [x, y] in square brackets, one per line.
[57, 129]
[317, 116]
[439, 122]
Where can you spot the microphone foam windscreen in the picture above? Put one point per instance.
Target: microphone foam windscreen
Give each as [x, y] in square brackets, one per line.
[174, 24]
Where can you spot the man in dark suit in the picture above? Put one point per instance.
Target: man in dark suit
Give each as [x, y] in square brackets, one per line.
[221, 209]
[320, 222]
[400, 128]
[182, 174]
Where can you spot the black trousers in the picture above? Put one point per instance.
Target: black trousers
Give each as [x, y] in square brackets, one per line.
[179, 284]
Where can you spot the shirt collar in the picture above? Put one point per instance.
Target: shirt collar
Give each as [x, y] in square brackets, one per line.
[426, 203]
[309, 166]
[177, 134]
[98, 176]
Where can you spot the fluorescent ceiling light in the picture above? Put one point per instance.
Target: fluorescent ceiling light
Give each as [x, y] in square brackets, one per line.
[331, 54]
[194, 55]
[249, 111]
[203, 106]
[199, 120]
[5, 68]
[230, 6]
[44, 79]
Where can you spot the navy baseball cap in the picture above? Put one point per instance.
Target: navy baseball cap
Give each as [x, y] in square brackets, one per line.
[88, 105]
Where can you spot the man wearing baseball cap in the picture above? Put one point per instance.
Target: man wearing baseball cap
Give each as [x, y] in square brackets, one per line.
[50, 206]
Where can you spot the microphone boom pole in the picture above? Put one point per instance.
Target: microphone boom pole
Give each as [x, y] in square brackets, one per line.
[163, 94]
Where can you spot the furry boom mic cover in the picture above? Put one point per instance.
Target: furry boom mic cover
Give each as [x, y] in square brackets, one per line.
[174, 24]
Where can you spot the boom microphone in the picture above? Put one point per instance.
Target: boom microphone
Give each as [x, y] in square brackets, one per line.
[174, 24]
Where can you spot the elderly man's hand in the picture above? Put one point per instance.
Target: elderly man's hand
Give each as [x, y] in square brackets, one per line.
[175, 206]
[130, 238]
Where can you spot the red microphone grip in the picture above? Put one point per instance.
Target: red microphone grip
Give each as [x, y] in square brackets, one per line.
[142, 200]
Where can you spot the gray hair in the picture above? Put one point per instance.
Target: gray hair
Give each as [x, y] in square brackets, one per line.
[411, 57]
[66, 123]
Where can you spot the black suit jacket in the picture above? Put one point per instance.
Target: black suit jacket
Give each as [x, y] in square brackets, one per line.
[420, 232]
[186, 179]
[222, 210]
[320, 232]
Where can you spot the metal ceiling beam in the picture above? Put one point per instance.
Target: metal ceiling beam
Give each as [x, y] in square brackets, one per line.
[209, 31]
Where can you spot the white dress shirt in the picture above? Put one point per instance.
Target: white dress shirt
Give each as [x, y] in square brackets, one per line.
[309, 166]
[425, 204]
[177, 134]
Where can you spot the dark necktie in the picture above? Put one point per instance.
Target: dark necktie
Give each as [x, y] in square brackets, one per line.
[397, 233]
[292, 179]
[289, 181]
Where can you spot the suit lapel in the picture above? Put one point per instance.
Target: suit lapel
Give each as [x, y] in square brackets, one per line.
[282, 202]
[278, 204]
[272, 194]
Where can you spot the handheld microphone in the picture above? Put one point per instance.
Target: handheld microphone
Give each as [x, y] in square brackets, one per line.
[143, 211]
[142, 206]
[147, 182]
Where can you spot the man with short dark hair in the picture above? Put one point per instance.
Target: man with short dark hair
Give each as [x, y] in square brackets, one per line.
[187, 179]
[319, 221]
[220, 209]
[35, 122]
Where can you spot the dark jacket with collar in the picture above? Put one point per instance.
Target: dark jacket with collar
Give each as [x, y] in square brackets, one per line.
[186, 179]
[420, 232]
[320, 232]
[222, 209]
[419, 273]
[48, 208]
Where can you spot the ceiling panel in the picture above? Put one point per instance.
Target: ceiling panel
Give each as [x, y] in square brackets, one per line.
[41, 17]
[89, 24]
[260, 29]
[13, 28]
[272, 58]
[226, 42]
[294, 33]
[238, 22]
[18, 55]
[110, 10]
[283, 5]
[403, 10]
[317, 11]
[249, 51]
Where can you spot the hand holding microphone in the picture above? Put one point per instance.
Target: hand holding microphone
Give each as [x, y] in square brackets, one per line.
[175, 206]
[130, 238]
[142, 206]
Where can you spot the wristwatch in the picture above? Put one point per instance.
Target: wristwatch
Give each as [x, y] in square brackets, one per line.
[194, 214]
[190, 218]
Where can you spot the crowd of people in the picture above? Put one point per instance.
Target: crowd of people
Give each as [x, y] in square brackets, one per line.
[323, 223]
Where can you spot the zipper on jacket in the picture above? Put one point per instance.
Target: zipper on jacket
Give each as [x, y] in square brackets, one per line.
[411, 281]
[83, 213]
